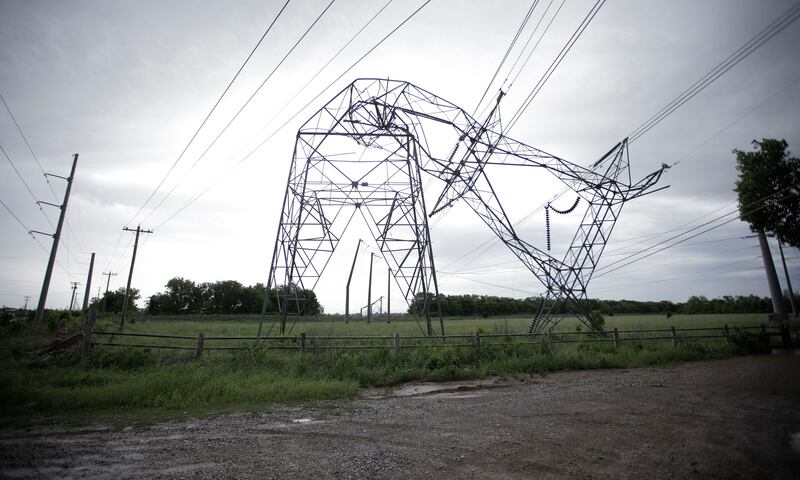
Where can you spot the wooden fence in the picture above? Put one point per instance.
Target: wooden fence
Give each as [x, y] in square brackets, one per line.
[303, 343]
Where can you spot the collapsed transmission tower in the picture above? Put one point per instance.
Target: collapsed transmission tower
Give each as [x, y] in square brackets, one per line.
[364, 153]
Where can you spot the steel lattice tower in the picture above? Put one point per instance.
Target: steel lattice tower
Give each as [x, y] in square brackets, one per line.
[399, 132]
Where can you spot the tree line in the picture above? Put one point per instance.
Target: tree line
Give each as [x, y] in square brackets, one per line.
[183, 297]
[487, 305]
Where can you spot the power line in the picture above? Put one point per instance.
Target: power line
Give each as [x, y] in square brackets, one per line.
[634, 260]
[536, 45]
[777, 25]
[19, 129]
[225, 91]
[282, 126]
[508, 51]
[723, 270]
[556, 62]
[27, 187]
[308, 82]
[27, 230]
[241, 109]
[38, 164]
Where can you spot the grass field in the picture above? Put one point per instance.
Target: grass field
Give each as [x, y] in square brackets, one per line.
[247, 325]
[143, 384]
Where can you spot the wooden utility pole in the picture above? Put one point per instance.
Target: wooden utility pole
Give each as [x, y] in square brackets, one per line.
[347, 288]
[130, 273]
[389, 298]
[369, 288]
[105, 295]
[72, 297]
[27, 298]
[56, 237]
[88, 285]
[792, 301]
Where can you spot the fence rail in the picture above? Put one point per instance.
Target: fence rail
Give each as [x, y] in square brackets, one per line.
[305, 343]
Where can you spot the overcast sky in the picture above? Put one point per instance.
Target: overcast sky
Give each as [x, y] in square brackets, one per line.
[126, 83]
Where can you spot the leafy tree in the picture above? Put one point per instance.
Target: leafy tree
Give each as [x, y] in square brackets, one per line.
[114, 300]
[768, 189]
[183, 296]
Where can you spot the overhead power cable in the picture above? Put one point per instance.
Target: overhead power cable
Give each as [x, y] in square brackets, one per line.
[19, 129]
[241, 109]
[28, 231]
[311, 79]
[505, 56]
[290, 119]
[27, 187]
[536, 45]
[556, 62]
[628, 260]
[213, 108]
[39, 164]
[777, 25]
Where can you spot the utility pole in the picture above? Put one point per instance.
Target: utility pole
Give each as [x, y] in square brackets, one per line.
[72, 298]
[130, 273]
[27, 297]
[56, 237]
[88, 285]
[389, 298]
[369, 288]
[792, 301]
[772, 277]
[108, 281]
[347, 289]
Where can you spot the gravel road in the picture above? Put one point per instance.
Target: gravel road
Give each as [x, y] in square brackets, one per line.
[736, 418]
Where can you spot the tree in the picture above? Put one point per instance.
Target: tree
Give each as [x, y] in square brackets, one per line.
[114, 298]
[767, 188]
[769, 200]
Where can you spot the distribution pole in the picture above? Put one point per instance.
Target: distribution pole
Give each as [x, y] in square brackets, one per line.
[88, 285]
[56, 237]
[27, 297]
[772, 277]
[347, 288]
[389, 298]
[72, 297]
[369, 289]
[105, 295]
[130, 273]
[792, 301]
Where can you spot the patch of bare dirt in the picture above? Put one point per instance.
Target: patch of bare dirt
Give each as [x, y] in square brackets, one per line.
[737, 418]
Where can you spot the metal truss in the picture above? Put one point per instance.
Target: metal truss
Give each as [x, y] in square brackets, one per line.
[402, 131]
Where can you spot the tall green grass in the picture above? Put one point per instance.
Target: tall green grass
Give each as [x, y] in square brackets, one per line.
[145, 381]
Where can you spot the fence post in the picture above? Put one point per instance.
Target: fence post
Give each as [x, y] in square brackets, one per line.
[727, 333]
[302, 343]
[786, 337]
[616, 338]
[88, 326]
[477, 341]
[674, 338]
[201, 339]
[397, 342]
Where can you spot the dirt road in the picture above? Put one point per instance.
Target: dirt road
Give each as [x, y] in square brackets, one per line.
[735, 418]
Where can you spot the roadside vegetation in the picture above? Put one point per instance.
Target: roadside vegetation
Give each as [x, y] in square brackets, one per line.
[144, 384]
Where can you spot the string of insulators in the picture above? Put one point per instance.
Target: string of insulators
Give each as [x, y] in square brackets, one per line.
[547, 223]
[560, 212]
[453, 154]
[569, 210]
